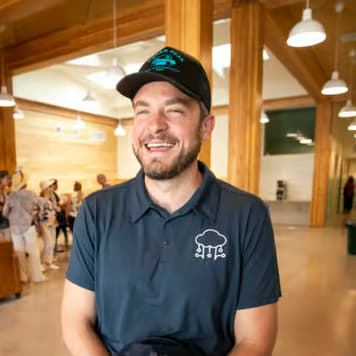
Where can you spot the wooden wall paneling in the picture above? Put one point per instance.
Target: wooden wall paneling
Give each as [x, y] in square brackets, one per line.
[322, 153]
[245, 95]
[43, 153]
[7, 133]
[271, 4]
[189, 27]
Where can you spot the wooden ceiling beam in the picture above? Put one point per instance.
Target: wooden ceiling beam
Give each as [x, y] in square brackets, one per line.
[301, 62]
[136, 21]
[272, 4]
[80, 40]
[15, 10]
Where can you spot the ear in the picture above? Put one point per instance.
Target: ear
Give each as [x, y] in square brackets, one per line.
[207, 127]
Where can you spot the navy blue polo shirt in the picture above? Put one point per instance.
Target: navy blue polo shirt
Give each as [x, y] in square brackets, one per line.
[180, 275]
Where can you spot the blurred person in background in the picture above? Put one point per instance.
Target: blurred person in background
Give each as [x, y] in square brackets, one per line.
[73, 204]
[102, 180]
[19, 208]
[47, 223]
[60, 207]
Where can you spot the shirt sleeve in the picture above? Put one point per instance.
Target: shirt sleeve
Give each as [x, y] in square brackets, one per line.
[260, 283]
[81, 268]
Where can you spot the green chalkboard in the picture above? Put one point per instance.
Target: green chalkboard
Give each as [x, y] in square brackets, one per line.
[292, 121]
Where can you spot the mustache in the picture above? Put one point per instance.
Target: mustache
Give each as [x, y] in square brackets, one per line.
[161, 137]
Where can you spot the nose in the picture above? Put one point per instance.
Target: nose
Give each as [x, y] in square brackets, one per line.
[158, 123]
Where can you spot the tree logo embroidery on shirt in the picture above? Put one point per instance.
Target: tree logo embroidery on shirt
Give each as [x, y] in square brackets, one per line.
[210, 244]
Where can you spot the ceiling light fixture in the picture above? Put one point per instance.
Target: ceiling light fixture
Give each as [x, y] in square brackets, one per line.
[352, 126]
[336, 85]
[307, 32]
[18, 113]
[6, 100]
[79, 124]
[120, 131]
[349, 110]
[116, 71]
[264, 118]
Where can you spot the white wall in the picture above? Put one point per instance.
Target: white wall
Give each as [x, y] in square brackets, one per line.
[127, 165]
[53, 87]
[219, 146]
[296, 170]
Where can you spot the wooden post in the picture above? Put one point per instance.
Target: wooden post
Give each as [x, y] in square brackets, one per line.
[245, 94]
[189, 27]
[7, 134]
[322, 152]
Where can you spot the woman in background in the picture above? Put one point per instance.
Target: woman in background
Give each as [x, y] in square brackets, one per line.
[47, 223]
[74, 202]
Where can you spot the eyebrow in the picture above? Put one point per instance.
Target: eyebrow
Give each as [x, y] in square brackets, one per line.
[183, 101]
[140, 103]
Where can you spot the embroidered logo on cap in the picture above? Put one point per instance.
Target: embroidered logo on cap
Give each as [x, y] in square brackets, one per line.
[210, 244]
[166, 60]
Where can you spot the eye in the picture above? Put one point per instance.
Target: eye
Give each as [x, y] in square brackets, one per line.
[141, 112]
[175, 111]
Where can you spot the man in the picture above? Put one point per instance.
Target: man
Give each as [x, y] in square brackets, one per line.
[174, 256]
[60, 216]
[102, 180]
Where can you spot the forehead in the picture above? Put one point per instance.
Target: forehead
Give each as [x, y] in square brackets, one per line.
[160, 90]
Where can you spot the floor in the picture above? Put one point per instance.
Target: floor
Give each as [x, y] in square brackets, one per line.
[317, 313]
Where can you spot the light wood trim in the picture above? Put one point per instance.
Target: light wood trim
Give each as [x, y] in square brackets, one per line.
[322, 152]
[245, 95]
[29, 105]
[288, 103]
[300, 62]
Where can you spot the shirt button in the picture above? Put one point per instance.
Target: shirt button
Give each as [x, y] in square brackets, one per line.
[165, 243]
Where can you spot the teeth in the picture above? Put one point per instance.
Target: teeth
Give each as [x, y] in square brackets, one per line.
[154, 145]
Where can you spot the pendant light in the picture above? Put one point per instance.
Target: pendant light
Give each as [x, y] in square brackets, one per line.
[18, 113]
[264, 118]
[349, 110]
[307, 32]
[336, 85]
[6, 100]
[352, 126]
[79, 124]
[120, 131]
[116, 71]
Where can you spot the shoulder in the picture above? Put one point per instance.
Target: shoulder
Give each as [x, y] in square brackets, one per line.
[237, 197]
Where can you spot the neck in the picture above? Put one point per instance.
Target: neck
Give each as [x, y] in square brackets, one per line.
[171, 194]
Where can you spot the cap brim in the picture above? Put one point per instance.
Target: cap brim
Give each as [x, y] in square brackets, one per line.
[129, 85]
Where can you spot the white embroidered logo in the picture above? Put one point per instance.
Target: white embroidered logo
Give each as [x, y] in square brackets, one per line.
[210, 244]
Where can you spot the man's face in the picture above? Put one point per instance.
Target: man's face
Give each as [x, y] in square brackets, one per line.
[101, 179]
[167, 131]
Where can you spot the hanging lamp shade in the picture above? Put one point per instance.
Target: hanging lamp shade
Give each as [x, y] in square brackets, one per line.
[114, 73]
[120, 131]
[307, 32]
[335, 85]
[264, 118]
[348, 110]
[352, 126]
[89, 97]
[18, 114]
[6, 100]
[79, 124]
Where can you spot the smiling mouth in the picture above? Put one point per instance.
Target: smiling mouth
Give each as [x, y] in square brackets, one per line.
[159, 146]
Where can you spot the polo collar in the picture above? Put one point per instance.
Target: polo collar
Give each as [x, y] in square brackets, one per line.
[204, 201]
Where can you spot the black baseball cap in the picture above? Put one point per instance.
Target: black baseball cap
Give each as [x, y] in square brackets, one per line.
[176, 67]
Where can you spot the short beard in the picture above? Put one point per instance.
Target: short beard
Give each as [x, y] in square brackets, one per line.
[155, 170]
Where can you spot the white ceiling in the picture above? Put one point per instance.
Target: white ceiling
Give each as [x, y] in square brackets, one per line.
[66, 84]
